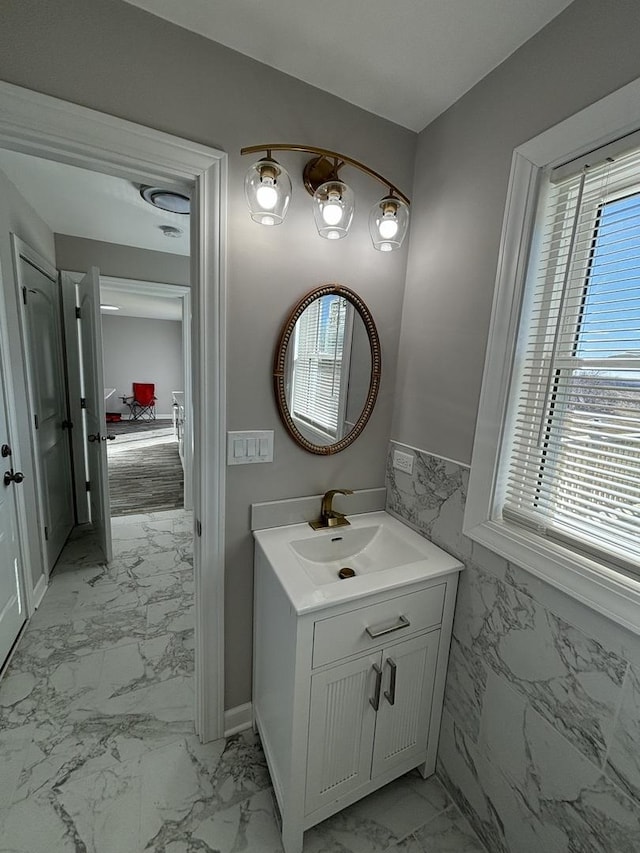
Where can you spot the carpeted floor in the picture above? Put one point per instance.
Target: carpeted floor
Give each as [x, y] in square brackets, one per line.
[145, 472]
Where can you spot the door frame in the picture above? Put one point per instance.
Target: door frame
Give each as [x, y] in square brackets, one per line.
[47, 127]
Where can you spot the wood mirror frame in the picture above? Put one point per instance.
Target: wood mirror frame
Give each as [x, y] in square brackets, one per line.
[280, 368]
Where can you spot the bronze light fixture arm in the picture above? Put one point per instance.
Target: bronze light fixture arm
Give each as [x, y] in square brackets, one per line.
[339, 160]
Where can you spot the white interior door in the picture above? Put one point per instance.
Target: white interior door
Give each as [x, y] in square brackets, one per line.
[42, 326]
[93, 392]
[12, 608]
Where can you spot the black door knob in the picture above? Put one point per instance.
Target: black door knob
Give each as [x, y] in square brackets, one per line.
[12, 477]
[94, 436]
[108, 438]
[5, 451]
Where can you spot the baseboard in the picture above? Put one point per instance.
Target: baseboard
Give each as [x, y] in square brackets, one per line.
[238, 719]
[38, 591]
[125, 417]
[5, 665]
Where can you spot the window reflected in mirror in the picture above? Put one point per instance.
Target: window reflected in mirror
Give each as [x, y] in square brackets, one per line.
[326, 383]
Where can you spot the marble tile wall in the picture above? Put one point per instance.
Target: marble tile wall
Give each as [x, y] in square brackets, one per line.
[540, 741]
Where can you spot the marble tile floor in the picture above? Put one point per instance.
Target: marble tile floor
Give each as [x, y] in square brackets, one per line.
[97, 748]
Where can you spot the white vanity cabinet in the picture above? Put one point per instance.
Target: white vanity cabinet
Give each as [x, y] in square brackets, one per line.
[368, 717]
[347, 696]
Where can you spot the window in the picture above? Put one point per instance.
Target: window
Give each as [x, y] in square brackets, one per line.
[554, 485]
[318, 383]
[573, 457]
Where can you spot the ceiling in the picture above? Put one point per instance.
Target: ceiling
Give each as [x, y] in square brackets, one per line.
[406, 61]
[155, 307]
[89, 204]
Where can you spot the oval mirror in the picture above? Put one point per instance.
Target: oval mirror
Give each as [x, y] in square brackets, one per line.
[327, 369]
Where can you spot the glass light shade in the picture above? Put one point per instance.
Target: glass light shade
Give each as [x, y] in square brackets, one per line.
[333, 206]
[388, 223]
[267, 188]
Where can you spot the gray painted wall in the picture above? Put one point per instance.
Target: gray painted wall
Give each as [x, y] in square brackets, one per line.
[218, 97]
[16, 216]
[77, 254]
[462, 170]
[138, 349]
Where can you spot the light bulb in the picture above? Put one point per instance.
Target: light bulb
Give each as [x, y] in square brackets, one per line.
[388, 227]
[267, 195]
[332, 210]
[333, 205]
[388, 221]
[267, 189]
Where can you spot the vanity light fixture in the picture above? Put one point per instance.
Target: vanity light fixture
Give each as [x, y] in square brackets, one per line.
[268, 192]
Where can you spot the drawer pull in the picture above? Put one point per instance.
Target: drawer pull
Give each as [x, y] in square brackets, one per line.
[402, 622]
[375, 702]
[390, 694]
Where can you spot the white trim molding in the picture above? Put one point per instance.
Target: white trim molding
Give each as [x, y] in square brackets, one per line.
[601, 587]
[238, 719]
[57, 130]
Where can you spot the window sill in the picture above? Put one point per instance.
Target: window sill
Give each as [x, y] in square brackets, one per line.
[599, 587]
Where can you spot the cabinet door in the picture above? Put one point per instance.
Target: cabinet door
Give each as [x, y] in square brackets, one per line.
[341, 727]
[405, 706]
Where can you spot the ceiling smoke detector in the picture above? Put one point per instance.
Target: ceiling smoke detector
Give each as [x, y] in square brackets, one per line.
[164, 199]
[170, 230]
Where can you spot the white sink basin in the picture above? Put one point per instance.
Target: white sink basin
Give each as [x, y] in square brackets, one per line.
[361, 549]
[382, 552]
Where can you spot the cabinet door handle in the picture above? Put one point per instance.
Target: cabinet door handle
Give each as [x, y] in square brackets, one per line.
[390, 694]
[402, 622]
[375, 702]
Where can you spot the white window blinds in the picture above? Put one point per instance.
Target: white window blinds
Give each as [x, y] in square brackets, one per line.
[317, 389]
[572, 445]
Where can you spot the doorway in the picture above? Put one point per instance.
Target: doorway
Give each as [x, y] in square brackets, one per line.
[44, 126]
[146, 335]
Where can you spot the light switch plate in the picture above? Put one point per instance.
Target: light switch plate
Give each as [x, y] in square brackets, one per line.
[403, 461]
[247, 447]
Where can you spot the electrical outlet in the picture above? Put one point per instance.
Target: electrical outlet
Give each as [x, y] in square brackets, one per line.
[403, 461]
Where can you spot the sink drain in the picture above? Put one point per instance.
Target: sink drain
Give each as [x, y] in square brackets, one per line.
[346, 572]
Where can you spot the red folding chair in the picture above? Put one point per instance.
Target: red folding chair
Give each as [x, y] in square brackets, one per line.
[142, 402]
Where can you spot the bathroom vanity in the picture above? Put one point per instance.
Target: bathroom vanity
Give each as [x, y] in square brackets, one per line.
[349, 673]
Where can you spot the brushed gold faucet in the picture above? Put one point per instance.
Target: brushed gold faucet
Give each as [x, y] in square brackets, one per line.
[330, 517]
